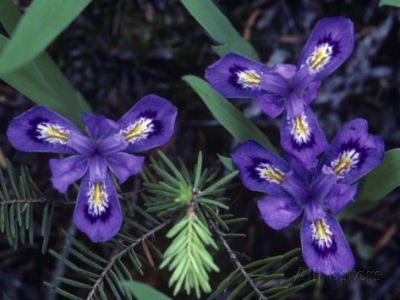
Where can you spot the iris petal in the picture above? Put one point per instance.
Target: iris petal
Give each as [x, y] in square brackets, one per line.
[302, 137]
[294, 105]
[324, 246]
[260, 169]
[278, 212]
[39, 129]
[274, 83]
[124, 165]
[339, 196]
[271, 105]
[66, 171]
[97, 168]
[235, 76]
[81, 144]
[330, 44]
[112, 144]
[148, 124]
[97, 211]
[295, 187]
[98, 126]
[353, 152]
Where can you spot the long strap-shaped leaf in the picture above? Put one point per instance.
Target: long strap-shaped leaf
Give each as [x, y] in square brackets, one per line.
[41, 80]
[43, 21]
[227, 114]
[395, 3]
[219, 28]
[143, 291]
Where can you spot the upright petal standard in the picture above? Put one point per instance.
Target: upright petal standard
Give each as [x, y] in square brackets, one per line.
[301, 185]
[148, 124]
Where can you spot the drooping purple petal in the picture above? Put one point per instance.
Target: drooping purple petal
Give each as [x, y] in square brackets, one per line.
[148, 124]
[260, 169]
[235, 76]
[66, 171]
[97, 211]
[271, 105]
[97, 168]
[313, 210]
[287, 71]
[330, 44]
[303, 78]
[40, 129]
[274, 83]
[322, 184]
[294, 105]
[324, 246]
[303, 171]
[278, 212]
[112, 144]
[338, 197]
[98, 126]
[353, 152]
[295, 187]
[311, 92]
[124, 165]
[302, 137]
[81, 143]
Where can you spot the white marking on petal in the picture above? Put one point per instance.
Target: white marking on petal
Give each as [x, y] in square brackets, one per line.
[53, 133]
[97, 198]
[300, 129]
[321, 233]
[345, 162]
[249, 79]
[320, 57]
[270, 173]
[138, 130]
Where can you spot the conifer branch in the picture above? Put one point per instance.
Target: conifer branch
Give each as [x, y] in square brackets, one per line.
[121, 253]
[236, 261]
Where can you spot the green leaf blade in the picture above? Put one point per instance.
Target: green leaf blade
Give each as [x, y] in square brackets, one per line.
[48, 18]
[218, 26]
[395, 3]
[143, 291]
[227, 114]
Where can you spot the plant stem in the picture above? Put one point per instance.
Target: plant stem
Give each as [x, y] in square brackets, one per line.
[236, 261]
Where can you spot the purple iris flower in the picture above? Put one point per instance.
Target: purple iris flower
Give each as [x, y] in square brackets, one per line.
[149, 123]
[289, 86]
[294, 187]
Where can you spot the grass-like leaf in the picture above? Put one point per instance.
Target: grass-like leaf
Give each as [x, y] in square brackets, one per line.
[39, 15]
[227, 114]
[143, 291]
[395, 3]
[219, 28]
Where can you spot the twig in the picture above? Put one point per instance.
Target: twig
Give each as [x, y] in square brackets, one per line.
[131, 194]
[250, 22]
[147, 253]
[123, 252]
[38, 200]
[238, 264]
[13, 201]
